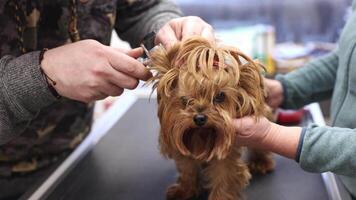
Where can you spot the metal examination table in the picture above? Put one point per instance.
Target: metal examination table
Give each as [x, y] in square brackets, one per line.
[126, 165]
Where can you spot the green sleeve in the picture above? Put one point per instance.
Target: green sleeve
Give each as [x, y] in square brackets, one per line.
[311, 83]
[326, 148]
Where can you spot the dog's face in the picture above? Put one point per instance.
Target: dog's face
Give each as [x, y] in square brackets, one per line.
[201, 88]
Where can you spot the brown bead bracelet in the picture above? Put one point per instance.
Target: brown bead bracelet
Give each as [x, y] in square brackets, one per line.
[50, 82]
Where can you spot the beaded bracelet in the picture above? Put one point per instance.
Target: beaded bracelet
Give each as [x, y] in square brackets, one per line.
[50, 82]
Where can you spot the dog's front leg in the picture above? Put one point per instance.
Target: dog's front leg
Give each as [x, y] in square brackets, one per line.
[260, 162]
[227, 178]
[187, 184]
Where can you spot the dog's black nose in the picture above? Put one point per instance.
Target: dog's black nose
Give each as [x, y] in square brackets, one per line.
[200, 119]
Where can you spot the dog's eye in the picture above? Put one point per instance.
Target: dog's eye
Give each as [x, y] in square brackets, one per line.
[184, 100]
[219, 98]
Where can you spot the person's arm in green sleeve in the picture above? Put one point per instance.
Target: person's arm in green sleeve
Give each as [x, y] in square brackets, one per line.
[317, 149]
[326, 148]
[311, 83]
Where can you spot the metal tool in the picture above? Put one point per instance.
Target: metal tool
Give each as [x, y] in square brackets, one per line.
[145, 59]
[147, 45]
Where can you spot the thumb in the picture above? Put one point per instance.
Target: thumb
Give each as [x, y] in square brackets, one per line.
[240, 123]
[135, 53]
[244, 131]
[237, 123]
[239, 140]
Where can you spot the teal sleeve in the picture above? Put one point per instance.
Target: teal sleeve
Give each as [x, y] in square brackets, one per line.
[311, 83]
[329, 149]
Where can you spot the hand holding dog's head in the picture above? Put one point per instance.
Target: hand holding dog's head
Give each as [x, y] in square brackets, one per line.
[201, 87]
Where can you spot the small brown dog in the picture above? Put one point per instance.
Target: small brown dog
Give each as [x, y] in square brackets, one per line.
[201, 87]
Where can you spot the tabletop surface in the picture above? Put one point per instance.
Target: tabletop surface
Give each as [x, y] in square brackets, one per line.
[126, 165]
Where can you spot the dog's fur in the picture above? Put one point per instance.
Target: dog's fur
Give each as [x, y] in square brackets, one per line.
[198, 77]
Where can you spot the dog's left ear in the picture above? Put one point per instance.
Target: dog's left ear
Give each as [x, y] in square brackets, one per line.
[164, 65]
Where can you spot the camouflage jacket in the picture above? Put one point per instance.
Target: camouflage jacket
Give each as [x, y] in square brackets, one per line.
[35, 127]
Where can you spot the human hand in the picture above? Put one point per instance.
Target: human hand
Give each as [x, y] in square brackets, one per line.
[259, 133]
[274, 93]
[252, 131]
[87, 70]
[180, 28]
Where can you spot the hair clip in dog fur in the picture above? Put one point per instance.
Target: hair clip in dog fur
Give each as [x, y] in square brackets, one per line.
[227, 62]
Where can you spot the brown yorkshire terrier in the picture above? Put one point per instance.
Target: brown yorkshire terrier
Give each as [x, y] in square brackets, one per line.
[201, 87]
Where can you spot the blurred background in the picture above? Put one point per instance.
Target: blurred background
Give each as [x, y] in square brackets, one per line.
[294, 20]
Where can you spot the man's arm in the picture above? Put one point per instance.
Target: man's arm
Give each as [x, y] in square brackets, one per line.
[135, 20]
[311, 83]
[103, 71]
[23, 92]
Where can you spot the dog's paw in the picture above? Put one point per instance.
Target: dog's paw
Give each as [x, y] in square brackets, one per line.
[177, 192]
[261, 166]
[226, 196]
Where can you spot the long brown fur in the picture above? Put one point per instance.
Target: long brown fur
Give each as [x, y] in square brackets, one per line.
[189, 78]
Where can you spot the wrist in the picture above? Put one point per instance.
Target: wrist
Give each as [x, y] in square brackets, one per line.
[280, 91]
[275, 93]
[270, 136]
[44, 61]
[45, 74]
[282, 140]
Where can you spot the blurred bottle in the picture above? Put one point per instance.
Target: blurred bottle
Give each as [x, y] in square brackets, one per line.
[264, 44]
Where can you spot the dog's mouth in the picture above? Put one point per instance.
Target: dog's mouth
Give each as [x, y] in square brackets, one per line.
[200, 142]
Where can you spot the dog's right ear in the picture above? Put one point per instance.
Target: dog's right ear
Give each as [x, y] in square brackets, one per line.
[165, 68]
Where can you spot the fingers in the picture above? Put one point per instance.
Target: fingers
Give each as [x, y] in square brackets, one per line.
[241, 122]
[111, 90]
[198, 27]
[208, 33]
[135, 53]
[191, 28]
[167, 36]
[182, 28]
[128, 65]
[122, 80]
[275, 96]
[96, 96]
[205, 31]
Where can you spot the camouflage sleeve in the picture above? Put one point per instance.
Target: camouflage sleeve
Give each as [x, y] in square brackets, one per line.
[136, 19]
[23, 92]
